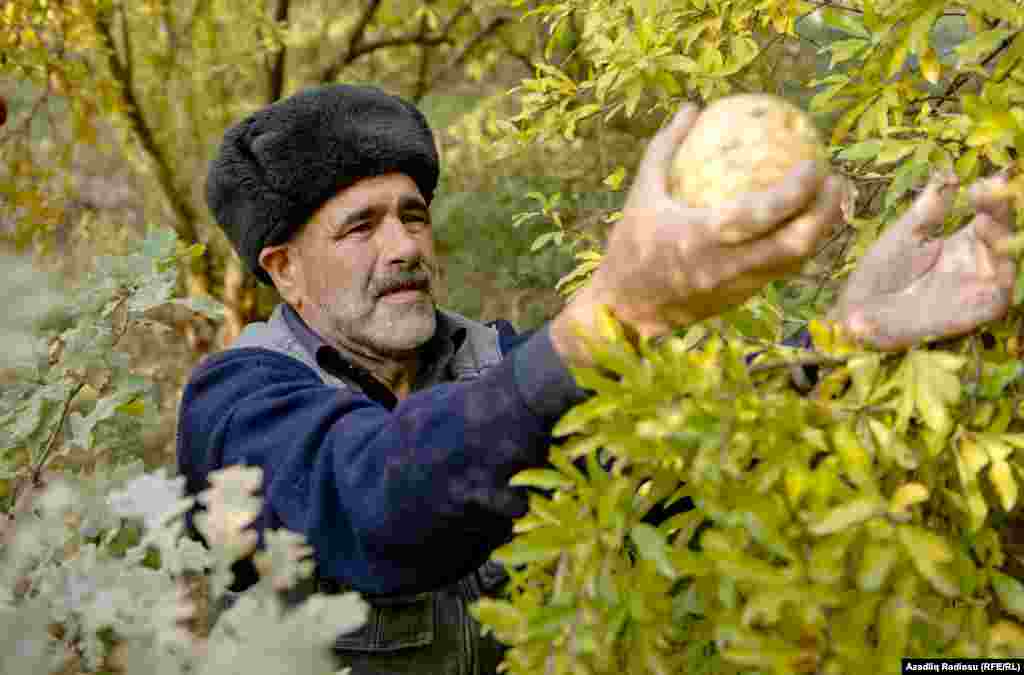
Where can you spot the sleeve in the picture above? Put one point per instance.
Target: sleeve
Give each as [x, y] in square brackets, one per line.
[392, 501]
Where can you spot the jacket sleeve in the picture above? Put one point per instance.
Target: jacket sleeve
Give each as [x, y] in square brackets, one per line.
[392, 501]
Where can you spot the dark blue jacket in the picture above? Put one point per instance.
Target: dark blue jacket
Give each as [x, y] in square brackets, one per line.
[395, 497]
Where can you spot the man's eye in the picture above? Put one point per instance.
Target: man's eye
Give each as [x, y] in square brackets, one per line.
[364, 227]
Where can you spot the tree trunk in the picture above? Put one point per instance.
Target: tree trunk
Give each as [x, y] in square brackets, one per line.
[239, 301]
[198, 329]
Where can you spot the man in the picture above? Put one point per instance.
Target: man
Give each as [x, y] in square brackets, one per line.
[387, 428]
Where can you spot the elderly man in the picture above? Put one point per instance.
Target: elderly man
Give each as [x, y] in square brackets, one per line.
[387, 428]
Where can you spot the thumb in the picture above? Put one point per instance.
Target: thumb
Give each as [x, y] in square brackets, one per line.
[926, 213]
[654, 167]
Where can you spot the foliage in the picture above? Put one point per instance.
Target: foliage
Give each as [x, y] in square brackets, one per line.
[833, 532]
[155, 83]
[95, 571]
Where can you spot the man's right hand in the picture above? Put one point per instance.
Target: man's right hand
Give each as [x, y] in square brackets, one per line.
[668, 265]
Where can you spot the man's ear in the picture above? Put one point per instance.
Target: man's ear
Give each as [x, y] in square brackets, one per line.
[282, 264]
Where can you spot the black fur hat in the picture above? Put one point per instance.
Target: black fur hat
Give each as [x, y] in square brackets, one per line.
[277, 166]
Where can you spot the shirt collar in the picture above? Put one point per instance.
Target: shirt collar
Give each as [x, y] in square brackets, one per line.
[436, 353]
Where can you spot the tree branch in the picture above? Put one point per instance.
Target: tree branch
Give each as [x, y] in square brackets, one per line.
[276, 88]
[459, 57]
[126, 41]
[422, 78]
[331, 72]
[359, 47]
[962, 79]
[185, 215]
[834, 5]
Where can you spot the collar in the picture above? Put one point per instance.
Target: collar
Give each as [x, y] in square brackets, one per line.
[435, 354]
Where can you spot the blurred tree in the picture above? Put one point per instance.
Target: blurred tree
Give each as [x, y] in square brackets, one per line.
[171, 75]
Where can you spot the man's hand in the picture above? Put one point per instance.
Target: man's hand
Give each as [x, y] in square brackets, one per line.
[668, 265]
[908, 288]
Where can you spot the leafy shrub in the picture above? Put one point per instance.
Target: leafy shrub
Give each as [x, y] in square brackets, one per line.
[96, 573]
[834, 531]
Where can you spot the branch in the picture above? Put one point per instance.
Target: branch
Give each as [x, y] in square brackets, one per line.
[459, 57]
[359, 47]
[424, 70]
[961, 79]
[832, 5]
[185, 214]
[331, 72]
[126, 40]
[277, 67]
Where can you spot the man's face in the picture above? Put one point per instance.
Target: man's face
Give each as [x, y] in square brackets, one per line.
[367, 268]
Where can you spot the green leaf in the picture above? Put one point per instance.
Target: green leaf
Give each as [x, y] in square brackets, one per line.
[861, 151]
[849, 514]
[930, 382]
[844, 21]
[547, 479]
[543, 240]
[652, 546]
[998, 378]
[928, 552]
[507, 620]
[536, 546]
[580, 416]
[1010, 592]
[907, 175]
[844, 50]
[878, 559]
[615, 178]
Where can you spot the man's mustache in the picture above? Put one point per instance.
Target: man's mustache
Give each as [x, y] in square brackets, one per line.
[416, 280]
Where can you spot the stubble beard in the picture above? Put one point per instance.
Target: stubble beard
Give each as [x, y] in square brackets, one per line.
[388, 328]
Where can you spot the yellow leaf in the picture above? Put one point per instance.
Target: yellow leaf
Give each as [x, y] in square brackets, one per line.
[977, 508]
[1007, 634]
[796, 482]
[894, 150]
[930, 67]
[906, 496]
[856, 460]
[973, 458]
[1004, 483]
[994, 446]
[899, 56]
[848, 119]
[821, 335]
[863, 372]
[135, 407]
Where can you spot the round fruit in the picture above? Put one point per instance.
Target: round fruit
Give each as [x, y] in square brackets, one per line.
[739, 144]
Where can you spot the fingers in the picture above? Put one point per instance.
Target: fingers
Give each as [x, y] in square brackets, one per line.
[993, 204]
[652, 173]
[788, 248]
[896, 322]
[757, 213]
[926, 213]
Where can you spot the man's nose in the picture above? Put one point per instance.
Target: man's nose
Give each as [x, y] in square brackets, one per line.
[399, 243]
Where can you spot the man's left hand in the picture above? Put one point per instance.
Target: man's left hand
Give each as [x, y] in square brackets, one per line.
[908, 287]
